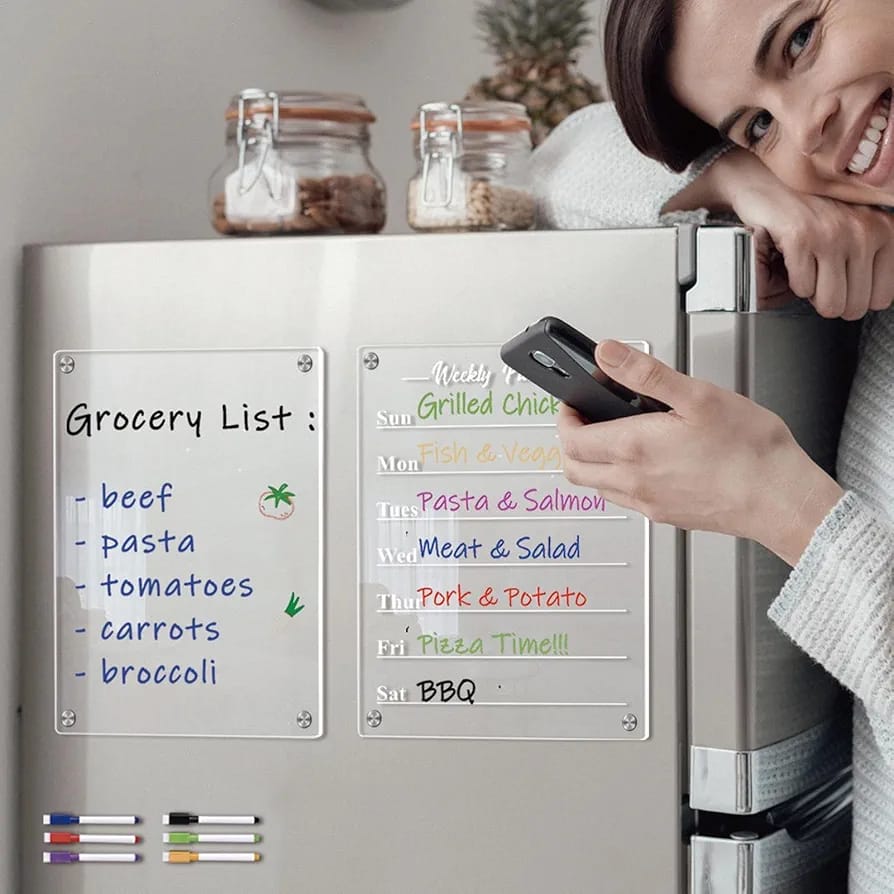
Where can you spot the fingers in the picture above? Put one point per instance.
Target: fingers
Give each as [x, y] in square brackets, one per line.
[830, 298]
[647, 376]
[802, 272]
[569, 419]
[772, 282]
[883, 276]
[859, 289]
[601, 442]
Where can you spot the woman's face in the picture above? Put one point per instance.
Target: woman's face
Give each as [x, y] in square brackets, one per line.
[805, 84]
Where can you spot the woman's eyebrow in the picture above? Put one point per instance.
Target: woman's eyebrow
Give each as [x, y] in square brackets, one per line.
[762, 54]
[766, 42]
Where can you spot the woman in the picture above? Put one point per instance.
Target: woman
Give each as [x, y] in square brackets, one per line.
[802, 91]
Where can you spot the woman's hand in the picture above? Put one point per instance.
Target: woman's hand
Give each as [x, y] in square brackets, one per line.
[839, 257]
[716, 462]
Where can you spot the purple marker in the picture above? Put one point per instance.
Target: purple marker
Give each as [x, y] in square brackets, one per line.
[70, 857]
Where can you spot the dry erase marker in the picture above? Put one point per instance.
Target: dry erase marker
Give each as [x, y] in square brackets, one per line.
[77, 838]
[202, 857]
[69, 857]
[70, 819]
[185, 819]
[203, 838]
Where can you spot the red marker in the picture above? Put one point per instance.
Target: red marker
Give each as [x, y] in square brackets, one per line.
[77, 838]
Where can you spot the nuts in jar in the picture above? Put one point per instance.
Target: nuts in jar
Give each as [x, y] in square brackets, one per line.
[473, 168]
[298, 164]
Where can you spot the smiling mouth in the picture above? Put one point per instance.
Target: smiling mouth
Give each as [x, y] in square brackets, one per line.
[867, 152]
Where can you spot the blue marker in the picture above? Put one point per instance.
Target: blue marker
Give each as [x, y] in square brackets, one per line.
[69, 819]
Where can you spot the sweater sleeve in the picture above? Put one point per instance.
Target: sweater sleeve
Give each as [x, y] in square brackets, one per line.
[587, 174]
[838, 606]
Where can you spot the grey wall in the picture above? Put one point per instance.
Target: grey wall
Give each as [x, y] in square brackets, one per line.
[113, 120]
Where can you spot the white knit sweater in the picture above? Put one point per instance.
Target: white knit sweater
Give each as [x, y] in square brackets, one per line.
[838, 602]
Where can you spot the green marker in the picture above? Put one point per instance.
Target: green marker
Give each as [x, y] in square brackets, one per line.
[206, 838]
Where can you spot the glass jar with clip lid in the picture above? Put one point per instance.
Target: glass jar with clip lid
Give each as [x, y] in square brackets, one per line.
[472, 167]
[297, 163]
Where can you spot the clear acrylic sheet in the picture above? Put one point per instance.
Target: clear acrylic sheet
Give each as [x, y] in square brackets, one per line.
[188, 498]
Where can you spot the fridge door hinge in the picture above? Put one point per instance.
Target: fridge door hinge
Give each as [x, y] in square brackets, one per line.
[789, 848]
[749, 782]
[746, 862]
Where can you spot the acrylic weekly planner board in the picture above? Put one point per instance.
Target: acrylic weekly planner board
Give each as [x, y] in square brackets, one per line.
[495, 599]
[188, 516]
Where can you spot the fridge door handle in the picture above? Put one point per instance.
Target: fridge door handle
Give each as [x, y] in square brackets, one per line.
[717, 271]
[726, 279]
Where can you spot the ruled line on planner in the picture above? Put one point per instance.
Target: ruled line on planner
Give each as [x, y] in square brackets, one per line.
[511, 704]
[488, 518]
[504, 611]
[467, 425]
[502, 657]
[422, 472]
[502, 565]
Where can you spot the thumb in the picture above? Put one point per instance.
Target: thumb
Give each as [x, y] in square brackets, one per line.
[644, 374]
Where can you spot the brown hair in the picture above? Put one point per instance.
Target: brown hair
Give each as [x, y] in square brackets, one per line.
[639, 35]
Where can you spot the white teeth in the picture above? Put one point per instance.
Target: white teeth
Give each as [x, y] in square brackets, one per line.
[869, 145]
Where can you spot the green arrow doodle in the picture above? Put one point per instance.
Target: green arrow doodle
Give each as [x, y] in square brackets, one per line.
[294, 606]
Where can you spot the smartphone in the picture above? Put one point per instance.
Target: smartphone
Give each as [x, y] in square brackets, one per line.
[560, 359]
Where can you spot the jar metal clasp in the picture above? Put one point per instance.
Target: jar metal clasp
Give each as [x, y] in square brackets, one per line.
[433, 147]
[268, 137]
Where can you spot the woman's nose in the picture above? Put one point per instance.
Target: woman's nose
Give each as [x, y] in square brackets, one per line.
[812, 122]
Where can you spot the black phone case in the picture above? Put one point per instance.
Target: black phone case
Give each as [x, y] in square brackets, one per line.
[574, 378]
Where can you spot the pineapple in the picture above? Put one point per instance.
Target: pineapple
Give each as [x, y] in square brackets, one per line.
[536, 42]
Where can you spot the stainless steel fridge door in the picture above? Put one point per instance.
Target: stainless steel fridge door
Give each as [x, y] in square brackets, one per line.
[765, 721]
[344, 812]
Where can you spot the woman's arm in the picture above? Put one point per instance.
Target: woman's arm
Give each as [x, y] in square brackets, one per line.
[840, 257]
[838, 606]
[716, 462]
[589, 175]
[719, 462]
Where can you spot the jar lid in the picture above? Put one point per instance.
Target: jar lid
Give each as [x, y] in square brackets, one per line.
[476, 116]
[345, 108]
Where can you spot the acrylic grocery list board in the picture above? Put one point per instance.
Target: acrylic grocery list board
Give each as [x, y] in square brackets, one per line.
[188, 489]
[495, 599]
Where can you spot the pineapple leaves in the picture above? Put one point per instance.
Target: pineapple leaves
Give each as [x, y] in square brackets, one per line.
[534, 29]
[537, 44]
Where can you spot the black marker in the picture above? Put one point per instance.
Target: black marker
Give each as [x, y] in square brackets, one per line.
[186, 819]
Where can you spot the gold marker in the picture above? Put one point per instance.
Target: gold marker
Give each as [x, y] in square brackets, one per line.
[203, 857]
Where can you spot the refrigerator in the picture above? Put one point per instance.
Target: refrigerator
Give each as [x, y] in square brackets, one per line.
[301, 567]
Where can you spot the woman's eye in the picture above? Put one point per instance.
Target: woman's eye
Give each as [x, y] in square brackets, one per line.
[758, 127]
[800, 39]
